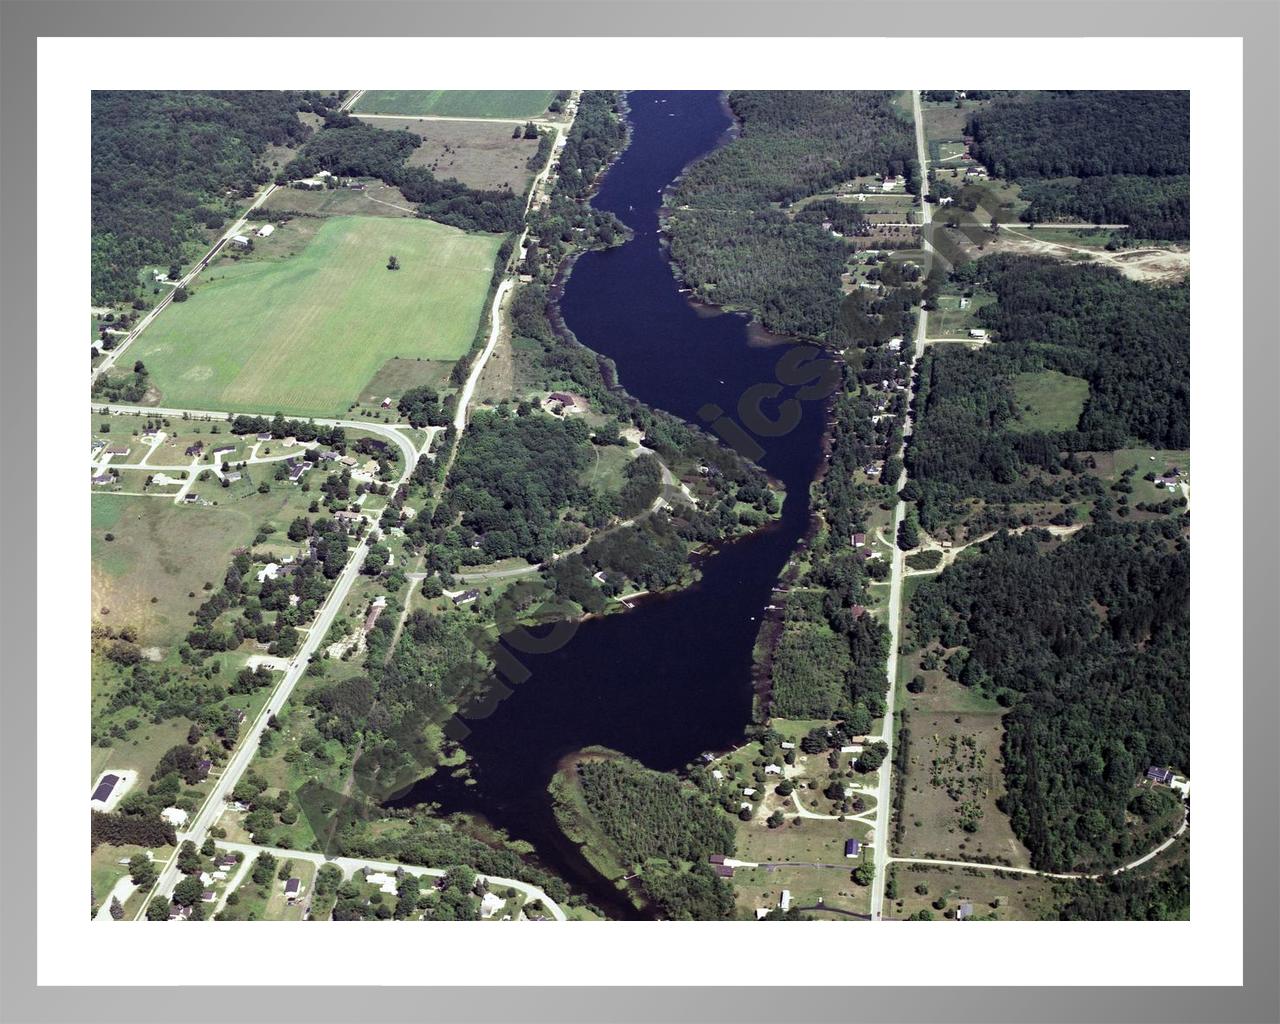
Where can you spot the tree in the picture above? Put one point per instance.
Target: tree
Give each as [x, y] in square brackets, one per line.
[116, 911]
[393, 263]
[141, 871]
[180, 294]
[158, 909]
[175, 271]
[188, 891]
[864, 873]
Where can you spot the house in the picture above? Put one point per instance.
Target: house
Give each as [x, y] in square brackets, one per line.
[240, 241]
[977, 332]
[175, 816]
[749, 791]
[241, 715]
[292, 889]
[226, 862]
[1160, 776]
[852, 848]
[860, 539]
[328, 456]
[465, 597]
[857, 611]
[222, 449]
[773, 769]
[208, 896]
[724, 870]
[103, 478]
[296, 471]
[715, 858]
[268, 572]
[265, 436]
[232, 478]
[375, 610]
[787, 745]
[964, 911]
[762, 913]
[309, 184]
[203, 767]
[266, 230]
[387, 883]
[180, 914]
[357, 185]
[347, 518]
[490, 904]
[717, 774]
[196, 449]
[895, 344]
[118, 449]
[289, 442]
[105, 785]
[386, 402]
[784, 901]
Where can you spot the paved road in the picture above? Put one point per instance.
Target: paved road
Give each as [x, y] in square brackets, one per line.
[235, 229]
[880, 840]
[247, 748]
[350, 865]
[481, 120]
[387, 431]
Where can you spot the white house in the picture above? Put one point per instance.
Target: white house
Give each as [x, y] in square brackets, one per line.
[490, 905]
[268, 572]
[384, 881]
[240, 241]
[784, 901]
[977, 332]
[175, 816]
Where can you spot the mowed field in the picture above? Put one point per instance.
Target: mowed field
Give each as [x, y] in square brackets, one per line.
[456, 102]
[304, 334]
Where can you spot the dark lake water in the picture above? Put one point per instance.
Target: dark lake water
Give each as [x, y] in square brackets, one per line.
[672, 678]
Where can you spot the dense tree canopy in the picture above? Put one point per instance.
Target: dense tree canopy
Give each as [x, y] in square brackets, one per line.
[168, 163]
[1088, 640]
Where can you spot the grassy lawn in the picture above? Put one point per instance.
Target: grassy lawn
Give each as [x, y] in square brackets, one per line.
[482, 156]
[1111, 466]
[809, 887]
[1012, 897]
[456, 102]
[374, 200]
[606, 472]
[305, 333]
[950, 321]
[1049, 400]
[800, 840]
[396, 376]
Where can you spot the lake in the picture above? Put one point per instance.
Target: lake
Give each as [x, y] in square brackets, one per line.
[671, 679]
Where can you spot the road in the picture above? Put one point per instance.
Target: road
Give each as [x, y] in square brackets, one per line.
[504, 289]
[884, 795]
[350, 865]
[407, 448]
[235, 229]
[247, 748]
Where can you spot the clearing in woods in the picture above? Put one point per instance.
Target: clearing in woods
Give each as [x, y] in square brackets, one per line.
[304, 334]
[456, 102]
[482, 156]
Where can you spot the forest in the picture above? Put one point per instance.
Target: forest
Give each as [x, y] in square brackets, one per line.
[1103, 156]
[1152, 207]
[511, 480]
[666, 829]
[167, 164]
[1087, 642]
[1130, 341]
[1084, 134]
[735, 249]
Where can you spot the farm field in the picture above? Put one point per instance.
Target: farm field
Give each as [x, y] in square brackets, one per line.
[304, 334]
[481, 156]
[456, 102]
[1049, 400]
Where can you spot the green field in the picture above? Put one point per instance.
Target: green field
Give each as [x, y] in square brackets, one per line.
[456, 102]
[1049, 400]
[165, 551]
[303, 334]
